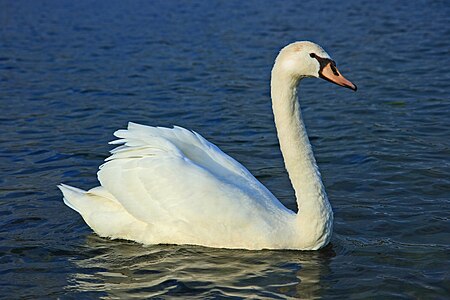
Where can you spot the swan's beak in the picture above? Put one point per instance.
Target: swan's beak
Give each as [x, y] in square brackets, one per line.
[331, 73]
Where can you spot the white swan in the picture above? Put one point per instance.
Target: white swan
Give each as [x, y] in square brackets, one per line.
[171, 186]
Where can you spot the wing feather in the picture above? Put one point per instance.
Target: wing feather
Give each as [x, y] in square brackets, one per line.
[174, 177]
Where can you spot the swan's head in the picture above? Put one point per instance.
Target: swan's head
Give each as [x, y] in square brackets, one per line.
[306, 59]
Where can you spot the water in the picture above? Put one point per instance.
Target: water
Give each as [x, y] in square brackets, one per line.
[73, 72]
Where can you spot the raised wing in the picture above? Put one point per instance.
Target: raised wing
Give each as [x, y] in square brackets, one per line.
[177, 178]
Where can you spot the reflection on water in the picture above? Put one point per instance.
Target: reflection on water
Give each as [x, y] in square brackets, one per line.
[124, 269]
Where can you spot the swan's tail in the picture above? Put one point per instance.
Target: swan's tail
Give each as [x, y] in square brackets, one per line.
[102, 212]
[72, 196]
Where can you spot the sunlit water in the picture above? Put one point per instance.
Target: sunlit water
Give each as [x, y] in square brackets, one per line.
[71, 73]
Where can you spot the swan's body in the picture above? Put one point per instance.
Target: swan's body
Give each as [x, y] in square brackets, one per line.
[172, 186]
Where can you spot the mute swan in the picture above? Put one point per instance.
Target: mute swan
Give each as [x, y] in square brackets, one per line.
[171, 186]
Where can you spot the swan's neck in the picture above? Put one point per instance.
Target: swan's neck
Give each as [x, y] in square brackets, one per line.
[312, 201]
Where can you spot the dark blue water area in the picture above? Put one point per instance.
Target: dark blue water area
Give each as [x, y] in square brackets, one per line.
[72, 72]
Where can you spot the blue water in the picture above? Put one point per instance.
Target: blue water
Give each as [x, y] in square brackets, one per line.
[72, 72]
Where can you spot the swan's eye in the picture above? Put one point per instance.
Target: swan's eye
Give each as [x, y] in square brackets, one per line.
[313, 55]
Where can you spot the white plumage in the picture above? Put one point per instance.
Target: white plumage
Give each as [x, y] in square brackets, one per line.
[172, 186]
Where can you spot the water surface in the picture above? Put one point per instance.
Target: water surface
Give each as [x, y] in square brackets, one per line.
[71, 73]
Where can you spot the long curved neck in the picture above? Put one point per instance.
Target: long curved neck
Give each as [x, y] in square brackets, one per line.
[295, 146]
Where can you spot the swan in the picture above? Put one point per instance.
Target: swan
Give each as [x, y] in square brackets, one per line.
[172, 186]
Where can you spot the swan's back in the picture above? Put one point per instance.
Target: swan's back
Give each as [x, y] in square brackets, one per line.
[183, 189]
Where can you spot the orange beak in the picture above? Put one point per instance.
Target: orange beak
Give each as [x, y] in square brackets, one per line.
[331, 73]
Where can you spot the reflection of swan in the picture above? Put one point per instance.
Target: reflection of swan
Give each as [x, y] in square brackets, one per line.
[121, 270]
[172, 186]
